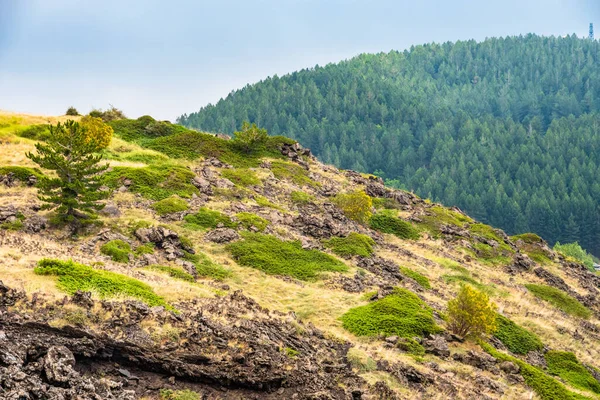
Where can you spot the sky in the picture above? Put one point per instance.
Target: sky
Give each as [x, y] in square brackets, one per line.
[166, 58]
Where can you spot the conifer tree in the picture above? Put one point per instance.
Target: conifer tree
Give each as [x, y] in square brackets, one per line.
[72, 153]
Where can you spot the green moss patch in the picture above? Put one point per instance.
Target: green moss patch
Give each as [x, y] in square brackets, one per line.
[516, 339]
[293, 173]
[73, 277]
[278, 257]
[173, 272]
[241, 176]
[117, 250]
[355, 244]
[206, 218]
[560, 300]
[249, 221]
[422, 280]
[170, 205]
[154, 182]
[568, 368]
[401, 313]
[301, 198]
[21, 173]
[206, 268]
[387, 223]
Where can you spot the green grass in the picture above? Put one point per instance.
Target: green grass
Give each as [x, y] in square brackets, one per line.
[293, 173]
[528, 238]
[516, 339]
[264, 202]
[147, 248]
[168, 394]
[206, 268]
[170, 205]
[249, 220]
[206, 218]
[560, 300]
[566, 366]
[155, 182]
[417, 277]
[117, 250]
[278, 257]
[35, 132]
[383, 203]
[301, 198]
[440, 216]
[387, 223]
[21, 173]
[401, 313]
[355, 244]
[575, 251]
[173, 272]
[73, 277]
[451, 264]
[241, 176]
[463, 278]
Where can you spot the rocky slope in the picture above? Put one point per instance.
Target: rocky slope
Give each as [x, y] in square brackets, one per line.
[215, 274]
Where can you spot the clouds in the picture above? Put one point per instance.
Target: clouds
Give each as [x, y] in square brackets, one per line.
[167, 58]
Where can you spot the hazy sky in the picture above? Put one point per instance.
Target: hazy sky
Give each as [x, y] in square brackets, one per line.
[165, 58]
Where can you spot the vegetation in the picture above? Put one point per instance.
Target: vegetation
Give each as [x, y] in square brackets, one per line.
[575, 251]
[96, 130]
[147, 248]
[206, 218]
[278, 257]
[206, 268]
[292, 172]
[516, 339]
[496, 127]
[437, 216]
[71, 152]
[464, 277]
[301, 198]
[35, 132]
[173, 272]
[560, 300]
[250, 137]
[73, 277]
[471, 314]
[21, 173]
[355, 205]
[241, 176]
[567, 367]
[168, 394]
[387, 223]
[117, 250]
[112, 114]
[422, 280]
[170, 205]
[401, 313]
[355, 244]
[249, 221]
[72, 111]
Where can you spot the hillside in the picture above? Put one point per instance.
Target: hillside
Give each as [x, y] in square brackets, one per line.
[507, 129]
[214, 273]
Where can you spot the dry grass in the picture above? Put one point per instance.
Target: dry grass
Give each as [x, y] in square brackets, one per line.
[24, 119]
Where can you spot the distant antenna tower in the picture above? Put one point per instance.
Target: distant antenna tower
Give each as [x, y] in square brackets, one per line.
[591, 31]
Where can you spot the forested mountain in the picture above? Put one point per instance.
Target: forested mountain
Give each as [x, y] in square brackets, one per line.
[507, 129]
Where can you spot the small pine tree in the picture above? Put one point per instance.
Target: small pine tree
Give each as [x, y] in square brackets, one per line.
[471, 314]
[72, 111]
[250, 137]
[71, 152]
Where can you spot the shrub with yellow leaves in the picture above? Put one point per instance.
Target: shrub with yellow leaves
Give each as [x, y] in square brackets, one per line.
[97, 130]
[471, 313]
[355, 205]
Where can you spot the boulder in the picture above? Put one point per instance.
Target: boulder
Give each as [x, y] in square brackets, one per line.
[222, 235]
[520, 263]
[58, 366]
[437, 345]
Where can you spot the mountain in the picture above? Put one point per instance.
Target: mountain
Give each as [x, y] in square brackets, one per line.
[507, 129]
[218, 271]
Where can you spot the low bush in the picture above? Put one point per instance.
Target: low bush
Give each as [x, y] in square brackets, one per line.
[206, 218]
[566, 366]
[401, 313]
[355, 205]
[516, 339]
[72, 111]
[471, 313]
[147, 248]
[21, 173]
[249, 220]
[172, 272]
[422, 280]
[206, 268]
[241, 176]
[411, 346]
[560, 300]
[355, 244]
[293, 173]
[170, 205]
[73, 277]
[386, 223]
[155, 182]
[301, 198]
[528, 238]
[35, 132]
[117, 250]
[278, 257]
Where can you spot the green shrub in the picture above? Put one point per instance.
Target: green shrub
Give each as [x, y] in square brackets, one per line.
[401, 313]
[356, 205]
[560, 300]
[411, 346]
[528, 238]
[72, 111]
[293, 173]
[21, 173]
[354, 244]
[73, 277]
[249, 220]
[147, 248]
[35, 132]
[567, 367]
[241, 176]
[278, 257]
[575, 251]
[12, 226]
[442, 216]
[417, 277]
[387, 223]
[206, 218]
[155, 182]
[471, 314]
[206, 268]
[301, 198]
[291, 353]
[516, 339]
[170, 205]
[117, 250]
[168, 394]
[172, 272]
